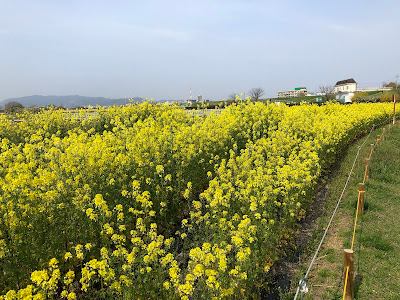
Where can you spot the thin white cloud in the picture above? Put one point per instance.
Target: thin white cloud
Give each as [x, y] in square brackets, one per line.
[349, 29]
[168, 33]
[130, 31]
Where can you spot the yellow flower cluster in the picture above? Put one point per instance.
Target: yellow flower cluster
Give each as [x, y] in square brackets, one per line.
[147, 201]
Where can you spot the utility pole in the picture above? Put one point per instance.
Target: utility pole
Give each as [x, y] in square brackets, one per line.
[397, 77]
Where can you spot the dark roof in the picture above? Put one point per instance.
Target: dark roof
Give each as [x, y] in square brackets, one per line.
[351, 80]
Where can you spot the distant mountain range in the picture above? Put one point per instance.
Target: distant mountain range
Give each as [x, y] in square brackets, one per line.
[69, 101]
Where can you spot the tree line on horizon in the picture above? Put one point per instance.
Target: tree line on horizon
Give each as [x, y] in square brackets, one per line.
[15, 107]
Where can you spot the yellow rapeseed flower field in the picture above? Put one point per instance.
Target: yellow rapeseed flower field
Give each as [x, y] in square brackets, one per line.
[149, 202]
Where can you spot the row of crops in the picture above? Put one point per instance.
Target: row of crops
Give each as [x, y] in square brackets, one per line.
[149, 202]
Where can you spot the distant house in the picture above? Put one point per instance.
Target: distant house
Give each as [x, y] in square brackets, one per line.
[297, 92]
[345, 90]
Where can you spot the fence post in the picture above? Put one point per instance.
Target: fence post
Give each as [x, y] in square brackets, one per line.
[361, 190]
[383, 135]
[394, 109]
[372, 150]
[366, 176]
[349, 262]
[378, 139]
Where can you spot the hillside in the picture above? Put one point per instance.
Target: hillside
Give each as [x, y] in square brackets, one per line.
[69, 101]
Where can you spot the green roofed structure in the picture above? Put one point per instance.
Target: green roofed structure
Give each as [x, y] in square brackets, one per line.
[297, 92]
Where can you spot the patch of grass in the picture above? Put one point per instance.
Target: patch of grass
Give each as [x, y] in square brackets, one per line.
[380, 255]
[331, 258]
[372, 206]
[345, 233]
[325, 272]
[347, 244]
[328, 251]
[376, 241]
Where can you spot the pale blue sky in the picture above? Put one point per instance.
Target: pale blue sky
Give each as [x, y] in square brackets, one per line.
[158, 49]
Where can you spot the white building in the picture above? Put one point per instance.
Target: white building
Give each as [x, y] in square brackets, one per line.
[345, 89]
[297, 92]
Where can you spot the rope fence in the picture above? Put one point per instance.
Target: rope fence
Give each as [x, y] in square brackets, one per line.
[348, 291]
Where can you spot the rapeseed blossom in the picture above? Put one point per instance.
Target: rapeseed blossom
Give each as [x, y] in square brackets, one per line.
[106, 194]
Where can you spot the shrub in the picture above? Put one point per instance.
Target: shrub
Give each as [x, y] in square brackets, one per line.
[13, 107]
[360, 97]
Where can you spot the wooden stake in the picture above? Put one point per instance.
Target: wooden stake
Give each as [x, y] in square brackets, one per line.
[349, 262]
[389, 130]
[383, 135]
[394, 108]
[366, 176]
[378, 139]
[361, 190]
[372, 150]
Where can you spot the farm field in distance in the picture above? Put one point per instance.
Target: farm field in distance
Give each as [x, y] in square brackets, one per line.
[147, 201]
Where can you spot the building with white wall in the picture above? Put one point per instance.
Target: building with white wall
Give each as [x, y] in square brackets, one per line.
[297, 92]
[345, 89]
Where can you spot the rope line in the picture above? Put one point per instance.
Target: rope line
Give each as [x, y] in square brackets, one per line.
[302, 287]
[355, 222]
[370, 154]
[345, 282]
[372, 129]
